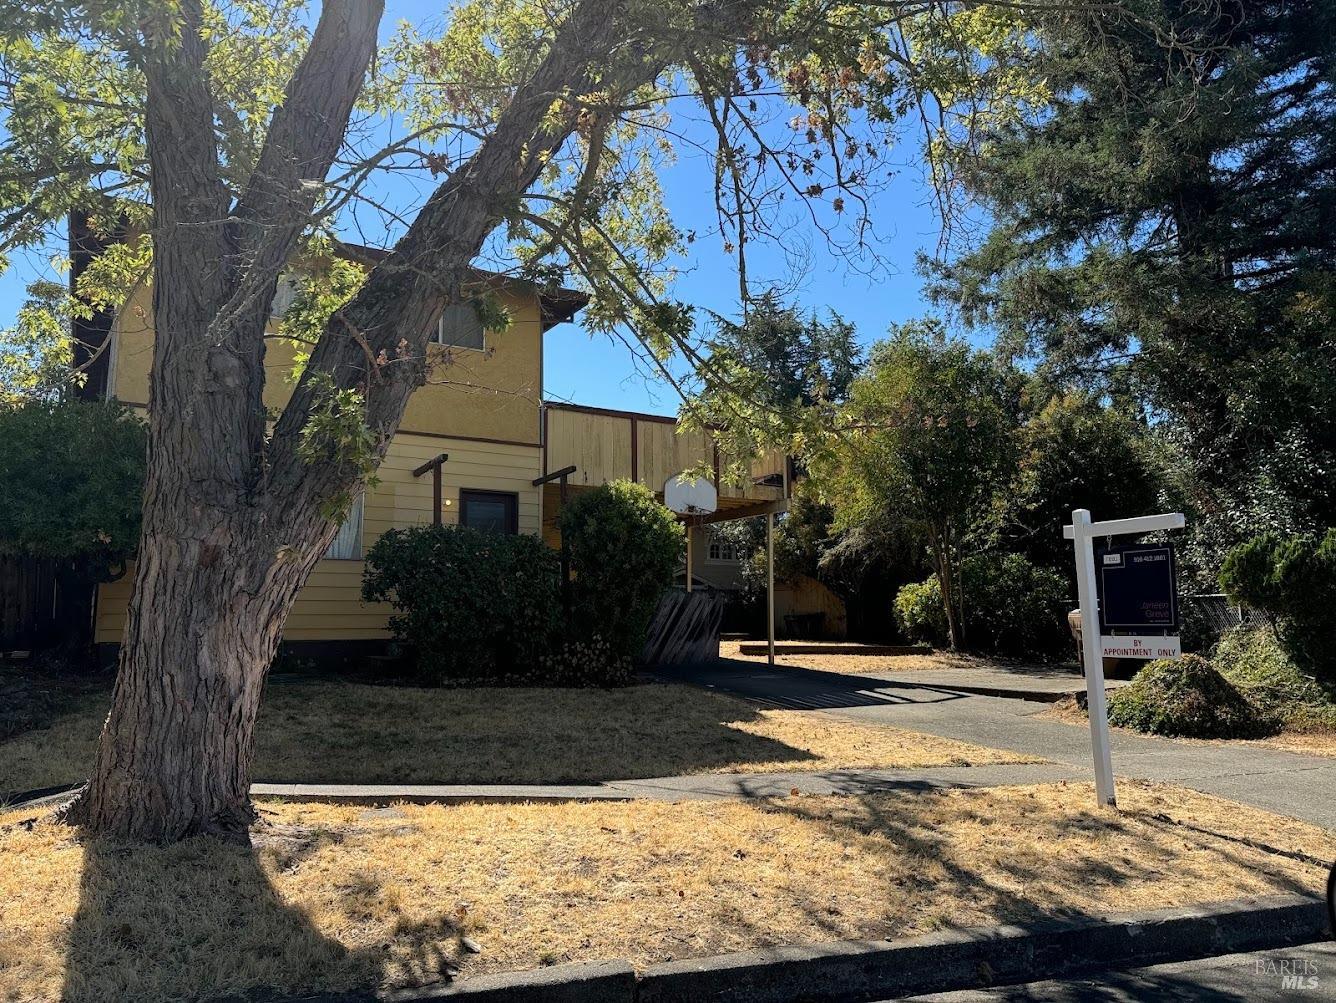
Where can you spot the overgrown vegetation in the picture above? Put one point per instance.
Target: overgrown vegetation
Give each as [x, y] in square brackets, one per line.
[1284, 696]
[1249, 688]
[1292, 578]
[1010, 607]
[1160, 232]
[928, 434]
[1183, 698]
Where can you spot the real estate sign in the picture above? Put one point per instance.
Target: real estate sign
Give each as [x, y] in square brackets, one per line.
[1140, 646]
[1138, 594]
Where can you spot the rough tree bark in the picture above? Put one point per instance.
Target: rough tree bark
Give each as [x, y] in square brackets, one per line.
[233, 521]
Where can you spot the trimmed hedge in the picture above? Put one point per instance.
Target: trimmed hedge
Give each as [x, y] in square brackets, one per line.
[624, 550]
[1184, 698]
[471, 606]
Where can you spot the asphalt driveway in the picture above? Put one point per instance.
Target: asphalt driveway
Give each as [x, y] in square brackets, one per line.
[1302, 787]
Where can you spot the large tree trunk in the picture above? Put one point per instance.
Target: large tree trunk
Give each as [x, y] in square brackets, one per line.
[214, 574]
[233, 522]
[175, 757]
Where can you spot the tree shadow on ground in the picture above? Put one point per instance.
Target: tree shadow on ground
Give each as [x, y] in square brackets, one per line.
[344, 733]
[806, 689]
[1043, 882]
[341, 733]
[200, 920]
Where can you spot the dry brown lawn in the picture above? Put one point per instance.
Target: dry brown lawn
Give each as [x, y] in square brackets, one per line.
[338, 732]
[882, 664]
[334, 897]
[1305, 743]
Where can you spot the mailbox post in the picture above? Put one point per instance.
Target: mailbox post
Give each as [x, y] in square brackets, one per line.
[1083, 533]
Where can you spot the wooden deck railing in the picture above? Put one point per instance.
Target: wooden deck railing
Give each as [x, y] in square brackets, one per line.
[605, 445]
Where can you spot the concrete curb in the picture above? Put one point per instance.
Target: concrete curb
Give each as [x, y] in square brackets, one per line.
[1036, 696]
[589, 982]
[1007, 693]
[867, 970]
[973, 958]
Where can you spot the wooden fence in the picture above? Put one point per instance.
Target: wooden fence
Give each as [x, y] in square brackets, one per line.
[28, 611]
[685, 628]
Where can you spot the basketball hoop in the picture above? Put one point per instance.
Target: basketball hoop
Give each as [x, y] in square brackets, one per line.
[690, 497]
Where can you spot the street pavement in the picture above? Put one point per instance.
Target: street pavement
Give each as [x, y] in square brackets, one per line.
[1290, 975]
[1299, 786]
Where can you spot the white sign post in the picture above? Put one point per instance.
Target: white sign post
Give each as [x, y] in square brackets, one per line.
[1082, 532]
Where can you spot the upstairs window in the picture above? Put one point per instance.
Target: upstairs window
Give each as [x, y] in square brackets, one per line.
[723, 551]
[347, 546]
[460, 327]
[284, 295]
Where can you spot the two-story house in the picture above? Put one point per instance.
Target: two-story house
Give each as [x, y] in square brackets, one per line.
[483, 412]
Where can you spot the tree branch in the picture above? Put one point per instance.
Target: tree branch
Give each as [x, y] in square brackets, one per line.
[306, 133]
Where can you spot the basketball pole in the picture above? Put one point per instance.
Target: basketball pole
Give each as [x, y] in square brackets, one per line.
[770, 585]
[689, 555]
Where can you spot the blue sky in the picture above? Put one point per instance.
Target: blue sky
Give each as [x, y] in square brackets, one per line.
[906, 223]
[594, 369]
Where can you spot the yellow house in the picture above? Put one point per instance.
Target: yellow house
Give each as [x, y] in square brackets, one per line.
[483, 413]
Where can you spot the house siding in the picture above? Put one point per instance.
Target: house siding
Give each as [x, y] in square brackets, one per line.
[482, 409]
[330, 607]
[493, 394]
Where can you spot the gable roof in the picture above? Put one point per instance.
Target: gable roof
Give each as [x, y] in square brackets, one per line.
[557, 304]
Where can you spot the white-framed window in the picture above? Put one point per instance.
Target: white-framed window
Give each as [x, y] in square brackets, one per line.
[347, 546]
[460, 327]
[284, 293]
[722, 551]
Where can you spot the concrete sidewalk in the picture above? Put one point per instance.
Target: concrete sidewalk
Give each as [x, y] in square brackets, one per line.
[696, 787]
[1302, 787]
[1045, 684]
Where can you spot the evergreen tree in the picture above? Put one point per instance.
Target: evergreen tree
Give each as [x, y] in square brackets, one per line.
[1165, 223]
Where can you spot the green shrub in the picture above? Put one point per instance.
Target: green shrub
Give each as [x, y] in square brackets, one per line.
[469, 605]
[1294, 580]
[1282, 694]
[1011, 607]
[71, 480]
[624, 549]
[1184, 698]
[71, 488]
[918, 611]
